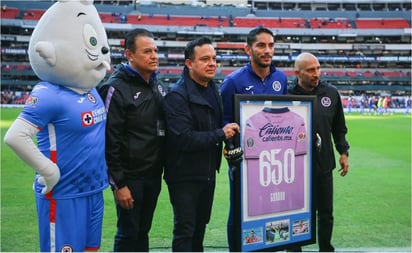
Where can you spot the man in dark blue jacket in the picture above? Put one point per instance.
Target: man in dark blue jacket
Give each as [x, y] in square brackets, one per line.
[195, 133]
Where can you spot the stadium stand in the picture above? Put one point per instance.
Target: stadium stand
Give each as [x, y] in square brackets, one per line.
[9, 12]
[271, 22]
[363, 47]
[33, 14]
[382, 23]
[330, 23]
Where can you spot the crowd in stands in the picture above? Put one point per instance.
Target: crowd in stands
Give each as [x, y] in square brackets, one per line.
[14, 97]
[17, 71]
[376, 104]
[371, 104]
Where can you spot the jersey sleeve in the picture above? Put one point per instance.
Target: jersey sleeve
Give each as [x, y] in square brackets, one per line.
[41, 105]
[250, 145]
[227, 91]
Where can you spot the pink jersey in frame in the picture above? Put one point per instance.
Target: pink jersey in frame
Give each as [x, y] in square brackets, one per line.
[275, 143]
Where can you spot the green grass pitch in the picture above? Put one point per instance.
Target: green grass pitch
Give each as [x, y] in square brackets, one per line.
[372, 203]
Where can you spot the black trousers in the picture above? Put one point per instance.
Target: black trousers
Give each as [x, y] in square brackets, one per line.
[323, 186]
[323, 202]
[133, 225]
[192, 206]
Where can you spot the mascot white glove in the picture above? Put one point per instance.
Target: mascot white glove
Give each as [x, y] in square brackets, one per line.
[20, 138]
[49, 177]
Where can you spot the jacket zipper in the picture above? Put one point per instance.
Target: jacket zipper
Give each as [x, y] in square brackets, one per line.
[210, 159]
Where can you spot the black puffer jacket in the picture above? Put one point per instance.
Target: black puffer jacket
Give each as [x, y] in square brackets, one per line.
[194, 133]
[134, 142]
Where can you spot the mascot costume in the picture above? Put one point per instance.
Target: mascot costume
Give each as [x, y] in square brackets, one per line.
[69, 52]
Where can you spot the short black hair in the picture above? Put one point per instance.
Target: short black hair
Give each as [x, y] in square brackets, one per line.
[190, 47]
[131, 37]
[251, 37]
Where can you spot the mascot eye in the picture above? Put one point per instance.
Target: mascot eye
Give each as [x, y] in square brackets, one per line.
[90, 36]
[93, 41]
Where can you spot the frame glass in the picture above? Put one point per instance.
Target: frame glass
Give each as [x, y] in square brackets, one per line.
[273, 186]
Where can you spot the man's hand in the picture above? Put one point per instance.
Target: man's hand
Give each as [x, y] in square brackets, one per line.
[344, 165]
[124, 198]
[230, 130]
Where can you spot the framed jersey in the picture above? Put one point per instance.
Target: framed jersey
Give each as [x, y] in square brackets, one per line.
[273, 186]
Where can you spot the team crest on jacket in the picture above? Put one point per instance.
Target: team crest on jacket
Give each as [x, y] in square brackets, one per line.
[325, 101]
[276, 86]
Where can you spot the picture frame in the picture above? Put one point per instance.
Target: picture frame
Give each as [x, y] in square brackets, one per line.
[273, 201]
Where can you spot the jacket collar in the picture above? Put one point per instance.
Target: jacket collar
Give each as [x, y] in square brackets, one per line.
[192, 91]
[300, 91]
[131, 71]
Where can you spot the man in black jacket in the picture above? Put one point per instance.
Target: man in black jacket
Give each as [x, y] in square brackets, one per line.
[135, 140]
[195, 132]
[328, 121]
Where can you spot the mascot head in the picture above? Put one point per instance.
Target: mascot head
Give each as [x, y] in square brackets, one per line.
[69, 45]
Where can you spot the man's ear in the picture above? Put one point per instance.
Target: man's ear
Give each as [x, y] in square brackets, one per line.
[188, 63]
[247, 49]
[127, 54]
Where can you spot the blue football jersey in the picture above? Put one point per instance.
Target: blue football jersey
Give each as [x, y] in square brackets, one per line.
[245, 81]
[72, 134]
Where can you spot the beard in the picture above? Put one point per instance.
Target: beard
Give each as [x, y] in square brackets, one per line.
[261, 63]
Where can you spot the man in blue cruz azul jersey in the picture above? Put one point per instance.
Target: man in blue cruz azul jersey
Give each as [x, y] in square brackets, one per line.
[259, 76]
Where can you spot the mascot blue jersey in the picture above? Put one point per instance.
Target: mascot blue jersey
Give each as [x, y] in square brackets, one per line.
[66, 116]
[65, 119]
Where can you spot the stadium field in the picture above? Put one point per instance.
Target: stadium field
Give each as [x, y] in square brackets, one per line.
[372, 203]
